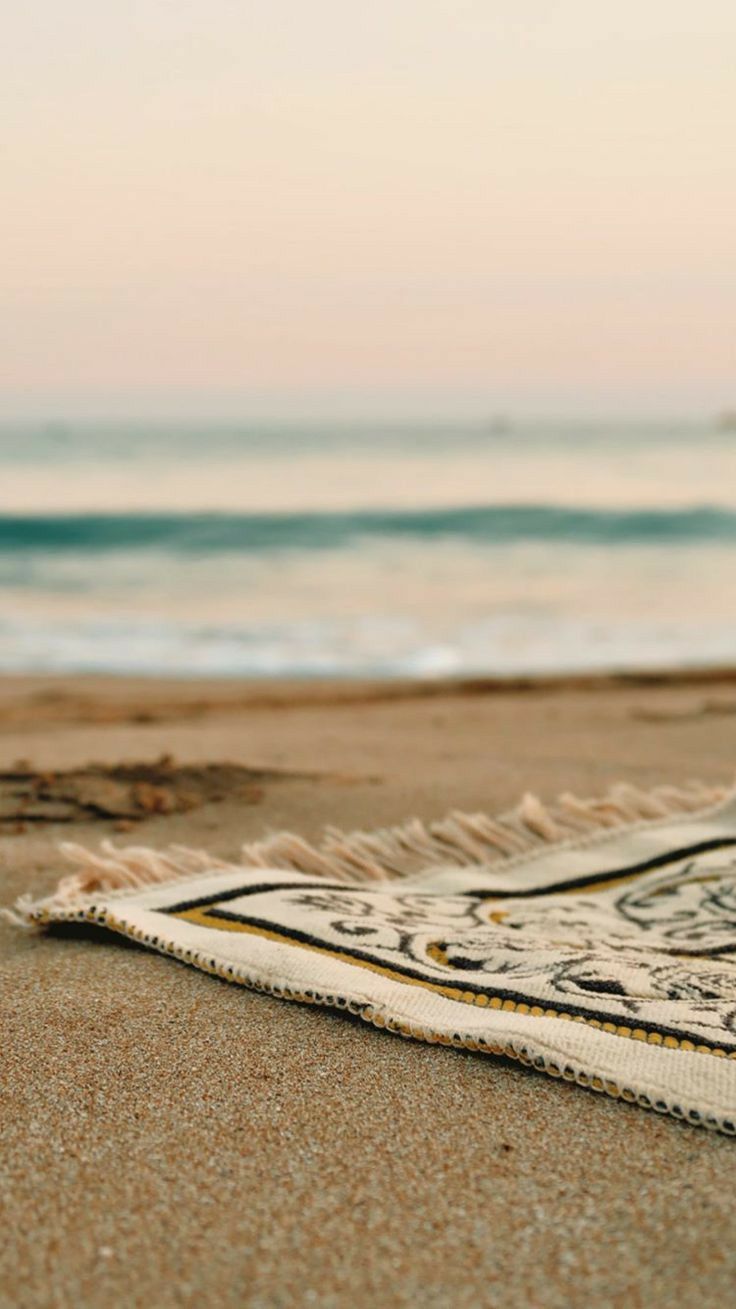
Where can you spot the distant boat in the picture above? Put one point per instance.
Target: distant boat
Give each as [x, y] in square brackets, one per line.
[726, 422]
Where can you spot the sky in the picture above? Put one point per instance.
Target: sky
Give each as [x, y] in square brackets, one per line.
[305, 207]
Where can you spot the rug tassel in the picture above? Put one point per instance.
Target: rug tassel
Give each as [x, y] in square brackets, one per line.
[363, 857]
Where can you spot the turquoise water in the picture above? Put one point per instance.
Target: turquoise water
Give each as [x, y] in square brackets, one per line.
[223, 533]
[362, 550]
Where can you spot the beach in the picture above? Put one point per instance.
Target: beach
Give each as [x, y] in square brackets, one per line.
[368, 576]
[170, 1139]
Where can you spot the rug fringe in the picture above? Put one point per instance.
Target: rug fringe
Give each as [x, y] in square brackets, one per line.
[461, 839]
[467, 839]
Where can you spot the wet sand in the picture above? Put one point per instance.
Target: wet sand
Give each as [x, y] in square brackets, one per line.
[168, 1139]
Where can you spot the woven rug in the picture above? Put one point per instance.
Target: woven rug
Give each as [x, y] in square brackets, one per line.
[593, 940]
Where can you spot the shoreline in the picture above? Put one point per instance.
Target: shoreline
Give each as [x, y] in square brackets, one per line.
[47, 689]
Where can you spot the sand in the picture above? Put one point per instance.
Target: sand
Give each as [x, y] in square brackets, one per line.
[168, 1139]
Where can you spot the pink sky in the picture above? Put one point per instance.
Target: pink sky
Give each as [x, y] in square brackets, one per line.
[410, 205]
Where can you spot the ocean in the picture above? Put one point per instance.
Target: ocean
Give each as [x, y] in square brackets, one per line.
[366, 550]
